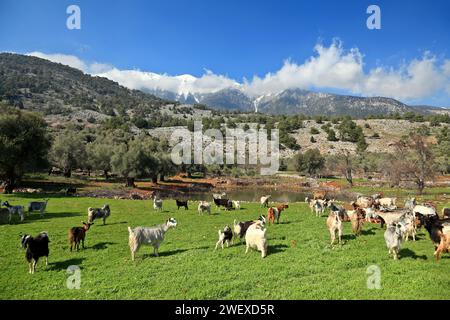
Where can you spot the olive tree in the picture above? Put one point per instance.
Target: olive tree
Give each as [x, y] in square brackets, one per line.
[24, 144]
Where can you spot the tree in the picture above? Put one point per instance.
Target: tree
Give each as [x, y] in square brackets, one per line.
[331, 135]
[134, 160]
[417, 160]
[68, 152]
[346, 166]
[349, 131]
[166, 166]
[24, 144]
[310, 162]
[99, 154]
[442, 150]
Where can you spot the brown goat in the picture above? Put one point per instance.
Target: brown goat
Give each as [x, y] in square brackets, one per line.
[77, 235]
[319, 195]
[273, 213]
[357, 220]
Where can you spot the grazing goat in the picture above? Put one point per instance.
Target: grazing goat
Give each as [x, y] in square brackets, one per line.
[5, 215]
[265, 201]
[14, 210]
[319, 208]
[319, 195]
[204, 206]
[370, 214]
[439, 231]
[409, 221]
[77, 235]
[394, 236]
[334, 224]
[219, 195]
[275, 213]
[446, 213]
[387, 202]
[225, 235]
[36, 247]
[338, 210]
[255, 238]
[97, 213]
[38, 206]
[228, 204]
[237, 205]
[151, 236]
[241, 228]
[365, 202]
[157, 204]
[182, 204]
[425, 210]
[357, 221]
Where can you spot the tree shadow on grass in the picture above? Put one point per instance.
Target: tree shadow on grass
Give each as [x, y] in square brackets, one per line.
[408, 253]
[64, 264]
[102, 245]
[35, 217]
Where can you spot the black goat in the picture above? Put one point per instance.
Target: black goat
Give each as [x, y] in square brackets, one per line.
[36, 247]
[182, 204]
[228, 204]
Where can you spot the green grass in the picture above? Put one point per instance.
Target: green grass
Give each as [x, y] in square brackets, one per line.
[301, 264]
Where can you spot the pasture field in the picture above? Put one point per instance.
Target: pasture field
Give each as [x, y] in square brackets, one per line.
[301, 263]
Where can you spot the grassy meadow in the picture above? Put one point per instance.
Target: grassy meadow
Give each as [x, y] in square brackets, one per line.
[301, 263]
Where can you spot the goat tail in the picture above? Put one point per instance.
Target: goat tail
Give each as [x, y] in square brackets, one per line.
[130, 231]
[234, 222]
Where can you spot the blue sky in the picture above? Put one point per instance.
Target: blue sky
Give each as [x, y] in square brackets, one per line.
[242, 39]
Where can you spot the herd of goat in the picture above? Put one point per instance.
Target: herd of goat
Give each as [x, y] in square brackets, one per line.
[401, 223]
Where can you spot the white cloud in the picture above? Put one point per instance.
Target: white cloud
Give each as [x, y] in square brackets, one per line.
[72, 61]
[330, 67]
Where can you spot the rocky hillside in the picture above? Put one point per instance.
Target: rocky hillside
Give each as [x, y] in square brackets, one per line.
[54, 89]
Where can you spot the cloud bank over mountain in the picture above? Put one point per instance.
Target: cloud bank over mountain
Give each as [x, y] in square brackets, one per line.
[331, 67]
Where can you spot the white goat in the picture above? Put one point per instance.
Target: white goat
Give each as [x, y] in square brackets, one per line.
[237, 205]
[425, 210]
[394, 236]
[255, 238]
[150, 236]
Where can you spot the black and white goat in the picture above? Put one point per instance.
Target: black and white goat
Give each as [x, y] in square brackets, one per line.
[240, 228]
[97, 213]
[225, 236]
[204, 206]
[36, 247]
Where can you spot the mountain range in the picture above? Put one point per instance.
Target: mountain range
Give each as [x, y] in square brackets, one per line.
[38, 84]
[296, 101]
